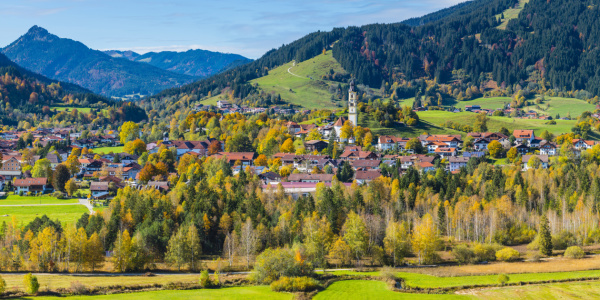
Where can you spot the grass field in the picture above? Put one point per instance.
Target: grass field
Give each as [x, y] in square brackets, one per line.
[69, 108]
[511, 13]
[558, 105]
[307, 89]
[565, 291]
[46, 199]
[414, 131]
[64, 281]
[369, 289]
[107, 150]
[25, 214]
[233, 293]
[495, 123]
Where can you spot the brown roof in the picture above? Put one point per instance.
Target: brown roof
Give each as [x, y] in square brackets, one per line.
[340, 122]
[31, 181]
[234, 156]
[99, 186]
[368, 175]
[303, 176]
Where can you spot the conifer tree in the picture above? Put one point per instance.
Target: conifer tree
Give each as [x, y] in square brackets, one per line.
[545, 237]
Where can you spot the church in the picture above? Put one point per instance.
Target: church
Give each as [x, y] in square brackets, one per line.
[352, 111]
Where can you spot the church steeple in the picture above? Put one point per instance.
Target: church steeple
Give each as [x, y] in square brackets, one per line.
[352, 102]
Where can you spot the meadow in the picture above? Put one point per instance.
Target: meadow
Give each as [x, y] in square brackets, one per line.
[26, 214]
[565, 291]
[106, 150]
[558, 105]
[233, 293]
[24, 200]
[511, 13]
[370, 289]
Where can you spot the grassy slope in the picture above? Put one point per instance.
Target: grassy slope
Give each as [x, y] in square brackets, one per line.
[304, 91]
[234, 293]
[495, 123]
[25, 214]
[369, 289]
[424, 126]
[511, 13]
[558, 105]
[19, 200]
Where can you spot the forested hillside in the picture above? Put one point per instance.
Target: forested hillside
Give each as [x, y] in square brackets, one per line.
[552, 45]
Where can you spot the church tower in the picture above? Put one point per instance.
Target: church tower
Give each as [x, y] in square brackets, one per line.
[352, 102]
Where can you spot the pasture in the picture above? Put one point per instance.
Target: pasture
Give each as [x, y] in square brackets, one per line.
[370, 289]
[106, 150]
[26, 214]
[551, 106]
[25, 200]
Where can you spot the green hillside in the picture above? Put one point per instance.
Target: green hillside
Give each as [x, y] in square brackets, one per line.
[301, 84]
[511, 13]
[550, 107]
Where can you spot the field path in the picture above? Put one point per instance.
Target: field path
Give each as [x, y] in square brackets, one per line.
[289, 71]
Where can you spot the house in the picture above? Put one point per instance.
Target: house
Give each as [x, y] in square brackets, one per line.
[126, 158]
[432, 146]
[245, 158]
[11, 168]
[162, 186]
[293, 127]
[458, 162]
[300, 177]
[548, 148]
[99, 190]
[481, 144]
[365, 165]
[452, 141]
[131, 170]
[472, 107]
[316, 145]
[269, 177]
[33, 185]
[580, 144]
[446, 152]
[337, 126]
[354, 155]
[425, 166]
[54, 160]
[543, 159]
[222, 104]
[521, 149]
[524, 136]
[366, 176]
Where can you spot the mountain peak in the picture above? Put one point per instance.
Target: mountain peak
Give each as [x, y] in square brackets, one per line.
[37, 30]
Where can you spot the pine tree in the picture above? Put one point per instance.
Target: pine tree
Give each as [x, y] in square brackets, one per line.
[545, 237]
[441, 219]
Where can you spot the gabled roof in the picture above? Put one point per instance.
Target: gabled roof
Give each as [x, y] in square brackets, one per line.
[526, 133]
[30, 181]
[368, 175]
[340, 122]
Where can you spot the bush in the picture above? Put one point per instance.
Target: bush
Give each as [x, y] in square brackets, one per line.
[485, 252]
[204, 279]
[31, 284]
[295, 284]
[503, 279]
[275, 263]
[388, 273]
[574, 252]
[464, 255]
[535, 257]
[2, 285]
[507, 254]
[77, 288]
[58, 195]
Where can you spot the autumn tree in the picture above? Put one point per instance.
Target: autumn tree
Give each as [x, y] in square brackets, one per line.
[512, 154]
[287, 146]
[136, 147]
[313, 135]
[481, 122]
[94, 252]
[341, 252]
[261, 161]
[346, 130]
[129, 132]
[123, 252]
[317, 238]
[397, 241]
[415, 145]
[248, 241]
[73, 164]
[425, 240]
[495, 148]
[71, 187]
[355, 234]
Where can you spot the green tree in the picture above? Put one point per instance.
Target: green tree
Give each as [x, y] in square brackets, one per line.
[71, 187]
[177, 249]
[355, 234]
[194, 247]
[94, 252]
[397, 241]
[123, 252]
[481, 122]
[41, 169]
[545, 237]
[129, 132]
[31, 284]
[60, 177]
[415, 145]
[2, 285]
[534, 162]
[317, 238]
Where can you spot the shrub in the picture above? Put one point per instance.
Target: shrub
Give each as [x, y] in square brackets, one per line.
[574, 252]
[463, 254]
[295, 284]
[31, 284]
[503, 279]
[485, 252]
[204, 279]
[535, 257]
[507, 254]
[2, 285]
[275, 263]
[388, 273]
[77, 288]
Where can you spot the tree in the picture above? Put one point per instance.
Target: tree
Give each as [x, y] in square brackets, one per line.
[481, 122]
[230, 247]
[136, 147]
[284, 172]
[512, 154]
[415, 145]
[176, 249]
[73, 164]
[31, 284]
[495, 148]
[239, 143]
[313, 135]
[123, 252]
[261, 161]
[397, 241]
[341, 252]
[355, 234]
[346, 130]
[317, 238]
[345, 172]
[94, 252]
[2, 285]
[129, 132]
[60, 177]
[534, 162]
[287, 146]
[272, 264]
[545, 237]
[41, 169]
[248, 241]
[71, 187]
[425, 240]
[194, 247]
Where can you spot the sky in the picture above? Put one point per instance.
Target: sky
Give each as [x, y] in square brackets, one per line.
[249, 28]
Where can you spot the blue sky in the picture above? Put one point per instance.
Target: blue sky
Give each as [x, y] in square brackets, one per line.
[249, 28]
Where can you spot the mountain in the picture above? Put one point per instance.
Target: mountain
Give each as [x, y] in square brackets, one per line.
[198, 63]
[496, 47]
[71, 61]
